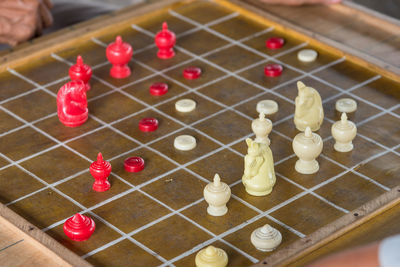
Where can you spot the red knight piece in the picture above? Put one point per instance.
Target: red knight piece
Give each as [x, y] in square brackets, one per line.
[119, 54]
[79, 227]
[81, 71]
[165, 41]
[100, 171]
[72, 104]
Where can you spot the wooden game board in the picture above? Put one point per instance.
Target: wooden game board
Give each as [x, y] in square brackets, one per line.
[158, 216]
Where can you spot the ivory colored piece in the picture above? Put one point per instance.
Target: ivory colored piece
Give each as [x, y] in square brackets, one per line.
[268, 107]
[217, 194]
[266, 238]
[344, 131]
[259, 174]
[185, 142]
[307, 55]
[262, 127]
[185, 105]
[347, 105]
[211, 257]
[309, 111]
[307, 146]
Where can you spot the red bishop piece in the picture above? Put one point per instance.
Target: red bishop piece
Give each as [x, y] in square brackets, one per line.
[134, 164]
[165, 41]
[100, 170]
[79, 227]
[191, 73]
[72, 108]
[119, 54]
[148, 124]
[275, 43]
[81, 71]
[273, 70]
[158, 89]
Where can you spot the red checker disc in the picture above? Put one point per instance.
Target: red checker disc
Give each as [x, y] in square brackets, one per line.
[134, 164]
[148, 124]
[158, 89]
[191, 73]
[273, 70]
[275, 42]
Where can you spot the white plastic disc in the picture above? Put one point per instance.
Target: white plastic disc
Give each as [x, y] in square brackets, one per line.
[346, 105]
[268, 107]
[185, 105]
[185, 142]
[307, 55]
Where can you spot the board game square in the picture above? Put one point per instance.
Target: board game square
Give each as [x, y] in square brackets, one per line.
[33, 106]
[241, 237]
[202, 11]
[363, 149]
[381, 128]
[16, 183]
[204, 146]
[157, 236]
[194, 42]
[8, 122]
[155, 165]
[175, 24]
[230, 91]
[256, 75]
[55, 164]
[327, 170]
[3, 163]
[136, 39]
[131, 211]
[113, 107]
[307, 209]
[345, 75]
[55, 128]
[106, 141]
[45, 208]
[92, 53]
[233, 58]
[20, 144]
[12, 86]
[226, 127]
[150, 58]
[204, 108]
[101, 236]
[177, 190]
[384, 169]
[238, 27]
[221, 163]
[397, 111]
[96, 88]
[130, 126]
[122, 253]
[287, 128]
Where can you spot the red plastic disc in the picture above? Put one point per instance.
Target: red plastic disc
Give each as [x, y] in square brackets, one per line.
[134, 164]
[275, 42]
[158, 89]
[148, 124]
[191, 73]
[273, 70]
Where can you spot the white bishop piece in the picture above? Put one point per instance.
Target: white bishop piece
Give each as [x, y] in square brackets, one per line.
[307, 146]
[262, 127]
[344, 131]
[217, 194]
[266, 238]
[211, 257]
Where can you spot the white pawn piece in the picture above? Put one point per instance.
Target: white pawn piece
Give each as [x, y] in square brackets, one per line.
[266, 238]
[307, 146]
[217, 194]
[268, 107]
[185, 105]
[211, 257]
[262, 127]
[307, 55]
[185, 142]
[347, 105]
[344, 131]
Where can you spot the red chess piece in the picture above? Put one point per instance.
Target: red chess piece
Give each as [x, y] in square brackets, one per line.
[79, 227]
[119, 54]
[165, 41]
[72, 104]
[81, 71]
[100, 171]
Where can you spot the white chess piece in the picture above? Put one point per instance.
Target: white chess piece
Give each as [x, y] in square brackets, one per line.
[266, 238]
[307, 146]
[217, 194]
[211, 257]
[262, 127]
[344, 131]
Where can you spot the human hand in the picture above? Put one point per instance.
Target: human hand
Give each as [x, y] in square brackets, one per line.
[21, 20]
[300, 2]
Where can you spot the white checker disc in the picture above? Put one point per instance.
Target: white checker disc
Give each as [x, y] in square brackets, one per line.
[267, 107]
[307, 55]
[185, 142]
[185, 105]
[346, 105]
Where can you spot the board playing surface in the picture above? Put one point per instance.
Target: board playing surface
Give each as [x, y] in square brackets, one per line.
[158, 216]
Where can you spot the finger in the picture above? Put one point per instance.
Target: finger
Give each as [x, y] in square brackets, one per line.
[47, 18]
[5, 26]
[19, 5]
[5, 39]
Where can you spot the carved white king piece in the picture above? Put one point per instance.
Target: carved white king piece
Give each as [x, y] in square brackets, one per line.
[262, 127]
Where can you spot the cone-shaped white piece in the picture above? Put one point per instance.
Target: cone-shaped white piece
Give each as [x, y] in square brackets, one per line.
[217, 194]
[344, 131]
[211, 257]
[266, 238]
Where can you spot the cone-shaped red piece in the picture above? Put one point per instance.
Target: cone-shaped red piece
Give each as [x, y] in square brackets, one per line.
[165, 41]
[79, 227]
[81, 71]
[119, 54]
[100, 170]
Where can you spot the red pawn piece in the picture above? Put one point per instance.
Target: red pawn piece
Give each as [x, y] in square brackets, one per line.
[119, 54]
[72, 104]
[134, 164]
[81, 71]
[158, 89]
[79, 227]
[275, 43]
[273, 70]
[100, 171]
[148, 124]
[165, 41]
